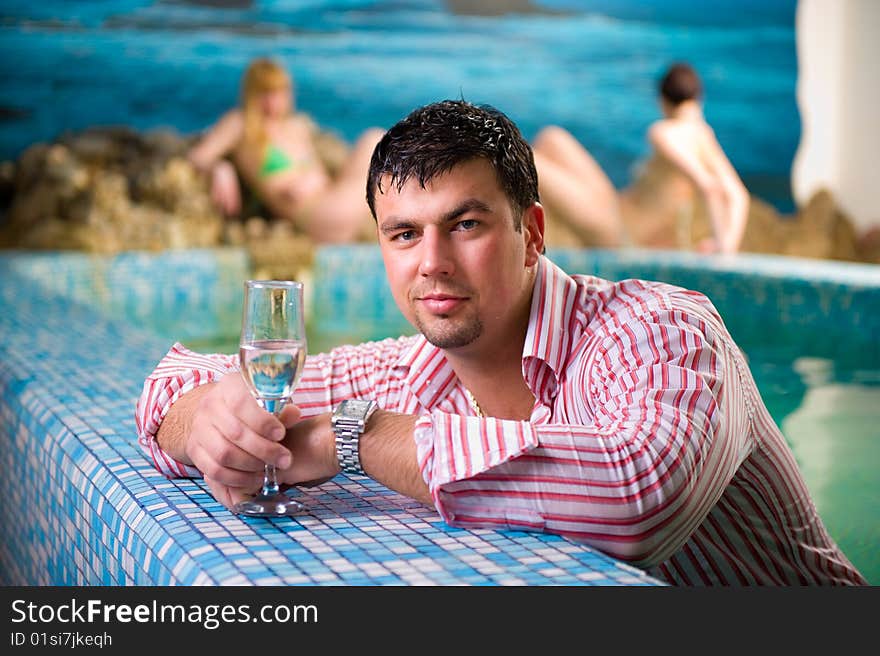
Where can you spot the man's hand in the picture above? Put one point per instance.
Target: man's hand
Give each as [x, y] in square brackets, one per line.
[232, 437]
[313, 445]
[387, 452]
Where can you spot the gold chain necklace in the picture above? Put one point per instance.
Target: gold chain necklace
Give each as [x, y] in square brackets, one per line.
[474, 404]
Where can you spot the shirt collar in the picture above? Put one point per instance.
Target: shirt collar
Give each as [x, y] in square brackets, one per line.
[549, 336]
[426, 371]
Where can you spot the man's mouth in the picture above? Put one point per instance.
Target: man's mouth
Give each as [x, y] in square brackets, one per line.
[439, 303]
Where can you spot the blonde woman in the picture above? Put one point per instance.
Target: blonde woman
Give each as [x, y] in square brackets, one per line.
[687, 174]
[272, 148]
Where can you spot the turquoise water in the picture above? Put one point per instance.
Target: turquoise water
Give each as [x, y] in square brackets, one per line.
[590, 66]
[829, 412]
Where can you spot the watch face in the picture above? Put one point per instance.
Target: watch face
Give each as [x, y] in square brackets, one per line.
[356, 407]
[352, 409]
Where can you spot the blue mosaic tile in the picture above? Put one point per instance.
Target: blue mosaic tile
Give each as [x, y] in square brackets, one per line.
[822, 304]
[88, 509]
[146, 289]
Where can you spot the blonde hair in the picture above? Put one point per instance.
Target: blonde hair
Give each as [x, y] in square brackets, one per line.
[262, 75]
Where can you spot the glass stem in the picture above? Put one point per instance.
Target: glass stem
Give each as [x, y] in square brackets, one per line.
[270, 482]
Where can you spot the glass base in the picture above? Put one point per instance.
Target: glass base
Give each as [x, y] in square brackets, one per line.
[276, 505]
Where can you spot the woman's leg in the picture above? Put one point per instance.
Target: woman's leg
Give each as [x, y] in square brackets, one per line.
[341, 213]
[575, 189]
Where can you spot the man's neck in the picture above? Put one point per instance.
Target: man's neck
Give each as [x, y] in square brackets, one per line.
[498, 389]
[492, 372]
[490, 368]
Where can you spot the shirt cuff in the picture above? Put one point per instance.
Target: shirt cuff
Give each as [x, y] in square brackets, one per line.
[179, 372]
[451, 447]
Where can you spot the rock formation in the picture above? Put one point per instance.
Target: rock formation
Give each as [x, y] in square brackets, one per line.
[106, 190]
[111, 189]
[820, 229]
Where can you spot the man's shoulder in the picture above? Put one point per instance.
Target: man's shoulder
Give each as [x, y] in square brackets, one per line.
[631, 288]
[638, 299]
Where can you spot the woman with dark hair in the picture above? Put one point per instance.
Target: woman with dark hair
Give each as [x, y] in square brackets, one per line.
[687, 173]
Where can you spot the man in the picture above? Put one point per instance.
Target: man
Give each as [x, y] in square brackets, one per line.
[620, 414]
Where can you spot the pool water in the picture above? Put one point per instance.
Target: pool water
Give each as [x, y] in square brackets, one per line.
[829, 412]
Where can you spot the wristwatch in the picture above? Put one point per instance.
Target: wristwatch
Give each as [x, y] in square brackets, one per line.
[349, 420]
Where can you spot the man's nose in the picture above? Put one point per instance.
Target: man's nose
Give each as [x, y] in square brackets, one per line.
[436, 255]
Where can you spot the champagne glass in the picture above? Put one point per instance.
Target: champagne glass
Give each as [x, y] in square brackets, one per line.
[272, 352]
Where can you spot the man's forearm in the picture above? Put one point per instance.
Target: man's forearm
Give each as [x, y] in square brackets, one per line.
[176, 426]
[388, 455]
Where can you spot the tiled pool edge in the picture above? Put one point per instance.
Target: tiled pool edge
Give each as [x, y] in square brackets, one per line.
[68, 382]
[109, 518]
[66, 463]
[349, 294]
[54, 548]
[751, 292]
[145, 289]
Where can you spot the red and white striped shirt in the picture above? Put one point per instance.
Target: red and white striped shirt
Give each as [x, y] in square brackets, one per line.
[648, 439]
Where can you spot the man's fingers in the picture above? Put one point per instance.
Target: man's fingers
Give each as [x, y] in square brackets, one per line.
[248, 411]
[232, 438]
[226, 495]
[220, 492]
[251, 451]
[289, 415]
[213, 469]
[238, 434]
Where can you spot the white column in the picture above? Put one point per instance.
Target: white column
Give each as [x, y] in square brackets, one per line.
[838, 94]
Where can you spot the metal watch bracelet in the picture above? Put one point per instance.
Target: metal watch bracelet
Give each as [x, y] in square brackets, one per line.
[347, 442]
[349, 421]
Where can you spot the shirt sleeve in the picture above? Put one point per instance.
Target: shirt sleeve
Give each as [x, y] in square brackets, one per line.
[328, 378]
[178, 372]
[655, 426]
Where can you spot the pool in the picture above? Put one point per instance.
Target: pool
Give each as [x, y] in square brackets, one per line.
[808, 328]
[829, 411]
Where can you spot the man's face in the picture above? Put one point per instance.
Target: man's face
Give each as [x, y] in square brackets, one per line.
[458, 269]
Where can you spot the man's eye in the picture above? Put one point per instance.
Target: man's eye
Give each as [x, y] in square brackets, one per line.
[406, 235]
[466, 224]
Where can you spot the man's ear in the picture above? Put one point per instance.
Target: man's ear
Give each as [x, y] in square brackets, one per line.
[533, 232]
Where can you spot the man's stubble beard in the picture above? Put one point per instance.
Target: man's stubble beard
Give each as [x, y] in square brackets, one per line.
[455, 336]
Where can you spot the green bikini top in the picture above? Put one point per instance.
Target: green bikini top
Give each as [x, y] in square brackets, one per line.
[275, 161]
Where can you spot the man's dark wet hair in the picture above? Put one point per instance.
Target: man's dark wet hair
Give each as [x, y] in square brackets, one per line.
[680, 83]
[436, 138]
